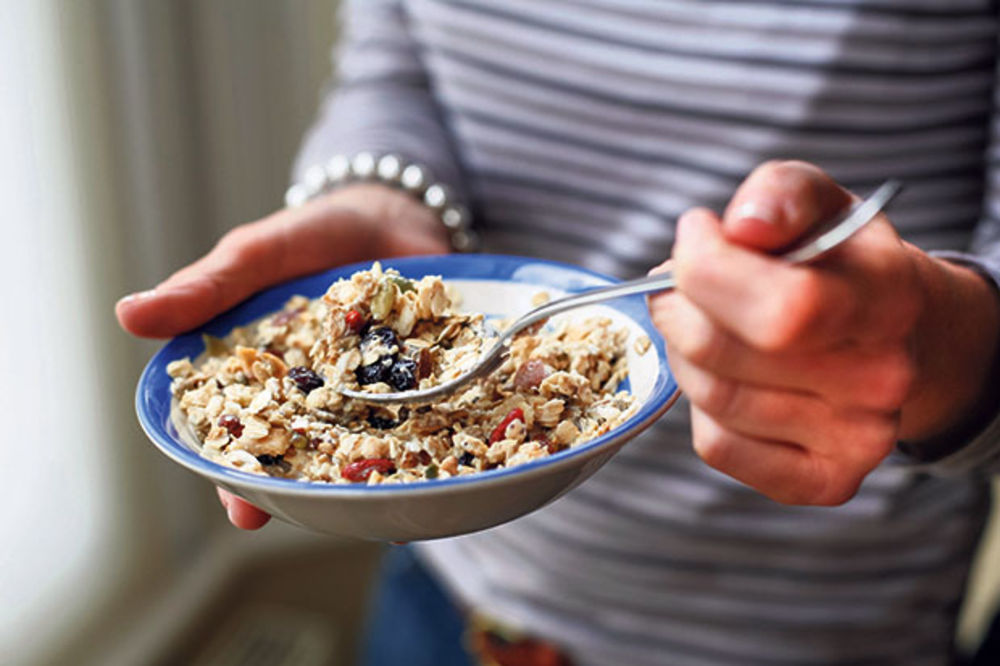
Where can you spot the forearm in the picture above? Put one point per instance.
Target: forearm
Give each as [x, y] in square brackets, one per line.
[955, 351]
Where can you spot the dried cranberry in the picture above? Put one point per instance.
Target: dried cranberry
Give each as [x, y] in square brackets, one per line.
[379, 336]
[265, 459]
[232, 424]
[466, 459]
[305, 379]
[354, 320]
[374, 372]
[403, 374]
[498, 433]
[424, 457]
[362, 469]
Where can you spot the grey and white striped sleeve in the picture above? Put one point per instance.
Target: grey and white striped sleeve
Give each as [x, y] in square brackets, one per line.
[978, 451]
[382, 100]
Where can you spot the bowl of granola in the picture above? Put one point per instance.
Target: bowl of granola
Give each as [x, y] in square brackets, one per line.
[252, 399]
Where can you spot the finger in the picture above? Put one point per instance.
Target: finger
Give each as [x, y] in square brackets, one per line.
[779, 201]
[857, 437]
[879, 377]
[241, 513]
[770, 304]
[755, 411]
[785, 473]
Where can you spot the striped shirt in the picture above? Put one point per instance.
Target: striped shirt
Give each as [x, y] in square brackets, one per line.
[579, 131]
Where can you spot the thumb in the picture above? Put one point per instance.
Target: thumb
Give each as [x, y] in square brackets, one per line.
[779, 202]
[285, 245]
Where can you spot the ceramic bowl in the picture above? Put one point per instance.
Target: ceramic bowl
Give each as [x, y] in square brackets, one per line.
[492, 284]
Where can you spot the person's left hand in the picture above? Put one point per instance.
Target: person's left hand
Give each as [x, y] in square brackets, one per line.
[803, 378]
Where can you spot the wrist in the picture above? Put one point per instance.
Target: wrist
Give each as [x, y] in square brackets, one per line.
[382, 213]
[386, 207]
[387, 222]
[391, 172]
[955, 346]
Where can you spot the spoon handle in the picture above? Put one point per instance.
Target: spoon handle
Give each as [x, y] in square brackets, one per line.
[817, 242]
[645, 285]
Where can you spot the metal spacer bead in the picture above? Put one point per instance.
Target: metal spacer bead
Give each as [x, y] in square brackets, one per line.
[363, 166]
[414, 178]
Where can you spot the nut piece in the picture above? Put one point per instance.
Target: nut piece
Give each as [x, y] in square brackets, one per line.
[642, 344]
[566, 432]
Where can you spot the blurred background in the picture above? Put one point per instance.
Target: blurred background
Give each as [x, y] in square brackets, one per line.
[134, 133]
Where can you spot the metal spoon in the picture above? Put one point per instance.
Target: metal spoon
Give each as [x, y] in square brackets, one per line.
[818, 241]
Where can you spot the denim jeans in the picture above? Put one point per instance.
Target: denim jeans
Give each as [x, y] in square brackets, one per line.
[411, 620]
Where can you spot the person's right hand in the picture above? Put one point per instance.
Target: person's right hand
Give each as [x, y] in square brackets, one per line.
[356, 223]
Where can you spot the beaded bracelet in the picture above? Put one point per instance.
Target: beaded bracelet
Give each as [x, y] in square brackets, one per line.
[390, 169]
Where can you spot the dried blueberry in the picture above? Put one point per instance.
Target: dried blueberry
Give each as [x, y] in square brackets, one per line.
[374, 372]
[379, 336]
[305, 379]
[381, 422]
[383, 419]
[265, 459]
[466, 459]
[403, 374]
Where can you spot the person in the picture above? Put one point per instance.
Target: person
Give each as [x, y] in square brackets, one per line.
[846, 409]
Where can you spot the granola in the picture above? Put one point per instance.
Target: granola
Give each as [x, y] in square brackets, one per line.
[265, 399]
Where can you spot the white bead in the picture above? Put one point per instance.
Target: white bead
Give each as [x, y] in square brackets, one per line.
[436, 196]
[363, 166]
[296, 195]
[338, 169]
[389, 168]
[315, 179]
[414, 178]
[455, 217]
[464, 241]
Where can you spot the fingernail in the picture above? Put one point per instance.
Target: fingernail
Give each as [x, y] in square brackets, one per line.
[138, 296]
[656, 270]
[763, 210]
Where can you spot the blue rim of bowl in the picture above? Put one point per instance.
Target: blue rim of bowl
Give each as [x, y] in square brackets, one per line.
[153, 397]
